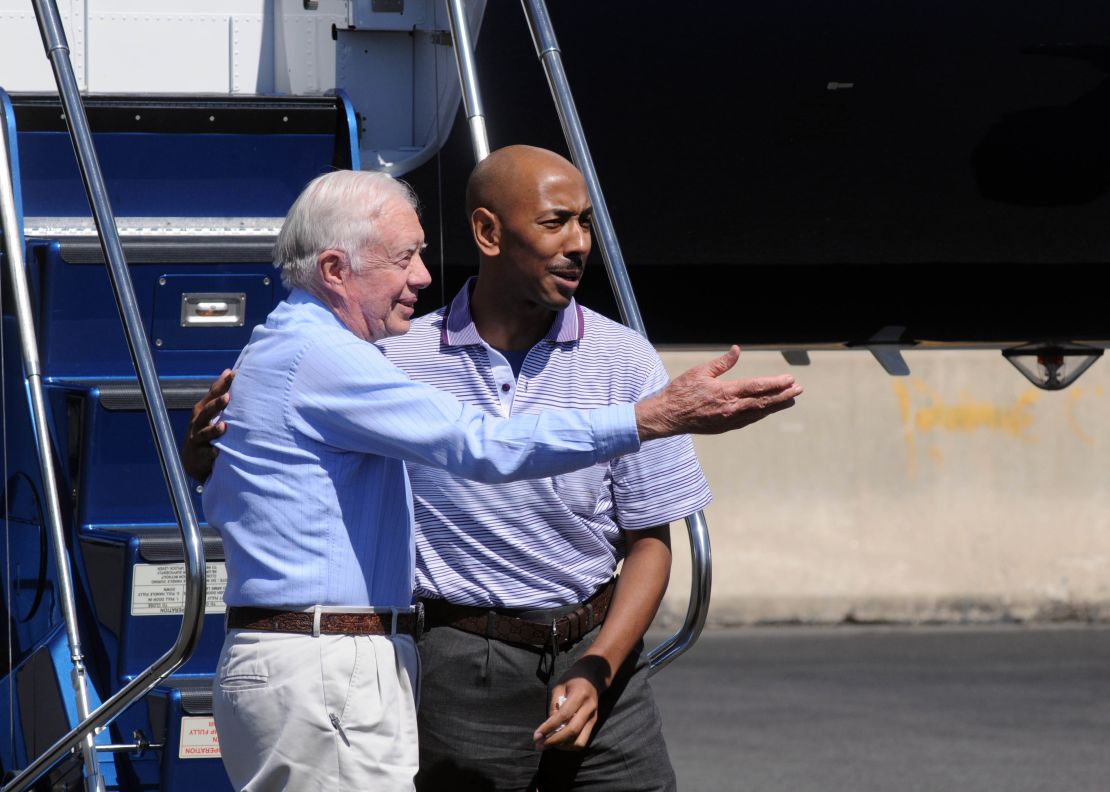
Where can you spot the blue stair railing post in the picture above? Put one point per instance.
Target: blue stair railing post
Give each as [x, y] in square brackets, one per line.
[57, 50]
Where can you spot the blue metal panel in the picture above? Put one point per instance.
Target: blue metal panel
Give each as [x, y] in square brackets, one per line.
[34, 609]
[153, 175]
[81, 335]
[13, 749]
[169, 334]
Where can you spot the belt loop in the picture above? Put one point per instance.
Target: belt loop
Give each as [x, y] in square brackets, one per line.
[491, 622]
[316, 621]
[393, 622]
[418, 629]
[589, 617]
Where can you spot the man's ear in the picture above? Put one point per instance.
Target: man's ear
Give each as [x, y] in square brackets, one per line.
[333, 269]
[487, 231]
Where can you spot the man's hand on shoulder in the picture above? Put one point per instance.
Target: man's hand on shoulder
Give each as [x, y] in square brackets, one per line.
[699, 402]
[198, 455]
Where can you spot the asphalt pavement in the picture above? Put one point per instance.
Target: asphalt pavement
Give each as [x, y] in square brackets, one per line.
[869, 708]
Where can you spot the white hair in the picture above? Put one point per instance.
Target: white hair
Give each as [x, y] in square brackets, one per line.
[336, 211]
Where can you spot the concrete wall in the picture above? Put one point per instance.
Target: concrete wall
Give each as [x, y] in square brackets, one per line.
[958, 493]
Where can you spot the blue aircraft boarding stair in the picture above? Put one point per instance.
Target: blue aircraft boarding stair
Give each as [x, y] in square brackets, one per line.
[199, 187]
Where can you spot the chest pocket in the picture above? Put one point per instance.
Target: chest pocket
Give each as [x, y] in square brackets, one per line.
[586, 491]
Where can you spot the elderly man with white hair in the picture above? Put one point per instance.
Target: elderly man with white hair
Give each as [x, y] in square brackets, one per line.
[317, 680]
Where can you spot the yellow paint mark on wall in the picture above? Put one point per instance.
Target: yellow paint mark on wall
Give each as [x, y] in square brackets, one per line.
[965, 416]
[905, 407]
[969, 415]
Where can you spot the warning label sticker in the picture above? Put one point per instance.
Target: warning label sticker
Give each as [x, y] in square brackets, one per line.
[159, 589]
[198, 738]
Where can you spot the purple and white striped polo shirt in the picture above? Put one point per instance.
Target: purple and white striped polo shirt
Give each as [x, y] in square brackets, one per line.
[545, 542]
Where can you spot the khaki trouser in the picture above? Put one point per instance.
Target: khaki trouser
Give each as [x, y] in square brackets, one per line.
[333, 712]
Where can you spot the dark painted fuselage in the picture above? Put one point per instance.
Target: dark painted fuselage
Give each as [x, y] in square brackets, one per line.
[810, 172]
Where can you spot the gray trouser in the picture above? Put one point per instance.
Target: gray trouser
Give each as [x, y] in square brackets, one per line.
[481, 700]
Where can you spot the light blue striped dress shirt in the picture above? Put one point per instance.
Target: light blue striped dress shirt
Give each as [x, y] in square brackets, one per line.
[310, 493]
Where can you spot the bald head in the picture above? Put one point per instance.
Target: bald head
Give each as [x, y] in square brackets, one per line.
[512, 174]
[530, 215]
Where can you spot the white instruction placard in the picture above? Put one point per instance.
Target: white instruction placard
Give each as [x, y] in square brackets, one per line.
[198, 738]
[159, 589]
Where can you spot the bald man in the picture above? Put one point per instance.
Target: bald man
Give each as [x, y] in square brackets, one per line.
[507, 701]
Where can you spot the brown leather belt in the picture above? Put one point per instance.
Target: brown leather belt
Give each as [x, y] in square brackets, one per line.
[502, 625]
[271, 620]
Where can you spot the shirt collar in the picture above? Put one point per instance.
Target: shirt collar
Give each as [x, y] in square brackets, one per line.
[298, 296]
[459, 329]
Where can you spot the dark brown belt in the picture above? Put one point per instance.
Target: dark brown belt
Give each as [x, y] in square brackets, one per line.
[503, 625]
[270, 620]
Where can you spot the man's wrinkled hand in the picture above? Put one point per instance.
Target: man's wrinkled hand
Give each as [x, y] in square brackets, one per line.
[699, 402]
[198, 455]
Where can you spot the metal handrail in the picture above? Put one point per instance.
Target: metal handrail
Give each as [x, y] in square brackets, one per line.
[701, 584]
[547, 49]
[543, 36]
[57, 50]
[32, 374]
[468, 78]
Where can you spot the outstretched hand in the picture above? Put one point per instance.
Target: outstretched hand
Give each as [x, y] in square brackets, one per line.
[699, 402]
[198, 455]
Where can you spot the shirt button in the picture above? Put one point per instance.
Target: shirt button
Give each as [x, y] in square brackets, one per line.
[505, 387]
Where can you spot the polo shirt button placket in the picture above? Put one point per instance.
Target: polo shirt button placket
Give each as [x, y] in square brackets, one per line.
[505, 396]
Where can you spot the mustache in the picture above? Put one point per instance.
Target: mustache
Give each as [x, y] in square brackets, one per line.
[571, 263]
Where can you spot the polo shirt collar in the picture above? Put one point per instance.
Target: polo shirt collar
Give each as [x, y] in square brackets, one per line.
[459, 329]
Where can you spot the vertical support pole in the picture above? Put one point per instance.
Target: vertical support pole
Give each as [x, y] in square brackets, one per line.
[468, 78]
[547, 49]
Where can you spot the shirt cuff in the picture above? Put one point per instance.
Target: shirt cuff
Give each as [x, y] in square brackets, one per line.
[615, 431]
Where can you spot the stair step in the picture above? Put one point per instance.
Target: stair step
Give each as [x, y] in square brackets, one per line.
[137, 580]
[170, 240]
[191, 752]
[175, 719]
